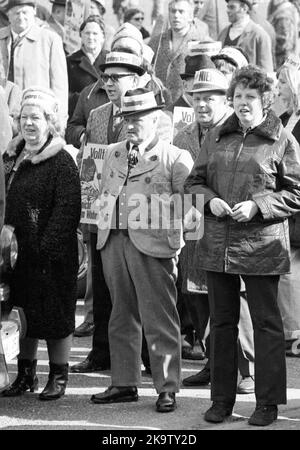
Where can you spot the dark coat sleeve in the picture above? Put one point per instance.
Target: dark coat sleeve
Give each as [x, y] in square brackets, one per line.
[77, 123]
[196, 182]
[286, 200]
[66, 210]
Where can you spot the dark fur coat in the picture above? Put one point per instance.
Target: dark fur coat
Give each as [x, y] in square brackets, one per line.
[43, 204]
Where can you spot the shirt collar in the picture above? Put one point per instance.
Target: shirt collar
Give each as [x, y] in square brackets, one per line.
[20, 35]
[143, 145]
[92, 58]
[116, 109]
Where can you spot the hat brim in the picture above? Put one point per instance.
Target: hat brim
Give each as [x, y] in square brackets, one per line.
[184, 76]
[136, 69]
[243, 1]
[8, 7]
[210, 88]
[140, 111]
[226, 58]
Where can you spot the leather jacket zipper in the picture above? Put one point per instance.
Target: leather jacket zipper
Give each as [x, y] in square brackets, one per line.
[229, 197]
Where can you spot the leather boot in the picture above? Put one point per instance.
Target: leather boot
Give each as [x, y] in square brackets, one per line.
[57, 382]
[26, 379]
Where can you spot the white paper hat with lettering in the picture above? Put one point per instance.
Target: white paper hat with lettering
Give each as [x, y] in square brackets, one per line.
[123, 59]
[42, 97]
[209, 80]
[232, 55]
[129, 37]
[139, 101]
[208, 48]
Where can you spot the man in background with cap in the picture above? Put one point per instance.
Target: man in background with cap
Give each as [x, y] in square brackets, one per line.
[208, 96]
[32, 54]
[193, 63]
[139, 252]
[171, 47]
[243, 32]
[57, 19]
[129, 39]
[120, 73]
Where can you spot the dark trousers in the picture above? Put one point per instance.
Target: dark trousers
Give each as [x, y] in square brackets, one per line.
[102, 307]
[269, 345]
[198, 307]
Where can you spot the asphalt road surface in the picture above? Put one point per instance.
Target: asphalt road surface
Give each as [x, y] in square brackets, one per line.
[74, 411]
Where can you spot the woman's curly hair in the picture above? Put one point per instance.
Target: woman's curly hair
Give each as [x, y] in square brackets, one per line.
[253, 77]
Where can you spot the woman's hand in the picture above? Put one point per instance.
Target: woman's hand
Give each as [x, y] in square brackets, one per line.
[219, 208]
[244, 211]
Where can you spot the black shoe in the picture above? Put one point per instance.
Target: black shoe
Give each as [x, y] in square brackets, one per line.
[192, 353]
[201, 378]
[57, 382]
[166, 402]
[116, 394]
[218, 411]
[88, 365]
[26, 379]
[85, 329]
[263, 415]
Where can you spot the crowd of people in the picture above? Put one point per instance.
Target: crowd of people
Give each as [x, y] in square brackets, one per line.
[152, 290]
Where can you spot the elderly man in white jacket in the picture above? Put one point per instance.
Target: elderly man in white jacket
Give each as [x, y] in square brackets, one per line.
[33, 55]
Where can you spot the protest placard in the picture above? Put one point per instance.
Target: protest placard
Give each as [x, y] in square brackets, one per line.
[181, 117]
[90, 175]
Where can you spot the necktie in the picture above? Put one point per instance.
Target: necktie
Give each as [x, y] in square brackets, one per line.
[14, 44]
[203, 135]
[133, 156]
[116, 120]
[10, 76]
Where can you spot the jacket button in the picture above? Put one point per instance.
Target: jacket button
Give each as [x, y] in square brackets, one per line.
[148, 180]
[117, 154]
[111, 174]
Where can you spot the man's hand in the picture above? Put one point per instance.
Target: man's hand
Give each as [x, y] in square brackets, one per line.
[192, 224]
[219, 208]
[244, 211]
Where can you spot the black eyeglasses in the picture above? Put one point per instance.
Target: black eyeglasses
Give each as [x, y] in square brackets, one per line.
[140, 19]
[114, 77]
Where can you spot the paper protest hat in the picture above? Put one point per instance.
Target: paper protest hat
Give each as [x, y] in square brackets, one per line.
[209, 80]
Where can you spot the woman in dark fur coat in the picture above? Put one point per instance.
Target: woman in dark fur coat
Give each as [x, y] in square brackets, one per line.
[43, 204]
